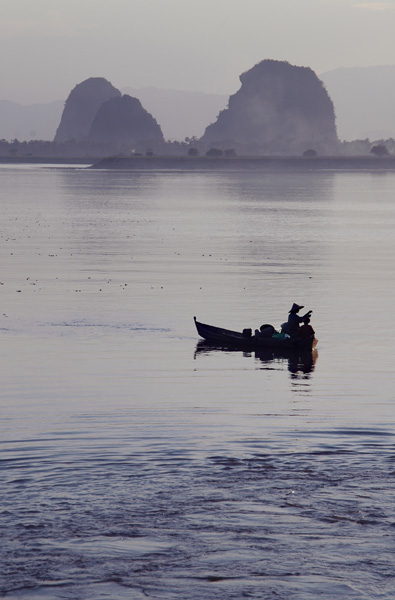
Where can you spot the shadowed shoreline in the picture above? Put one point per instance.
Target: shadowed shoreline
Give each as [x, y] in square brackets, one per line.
[218, 163]
[204, 163]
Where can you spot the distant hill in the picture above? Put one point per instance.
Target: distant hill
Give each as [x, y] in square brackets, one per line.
[123, 120]
[81, 108]
[28, 122]
[180, 114]
[279, 108]
[364, 99]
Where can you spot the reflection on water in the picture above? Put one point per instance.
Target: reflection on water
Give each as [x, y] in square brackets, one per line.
[300, 365]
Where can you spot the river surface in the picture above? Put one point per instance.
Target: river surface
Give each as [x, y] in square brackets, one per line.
[137, 463]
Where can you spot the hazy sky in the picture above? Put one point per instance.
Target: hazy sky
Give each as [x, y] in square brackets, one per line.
[48, 46]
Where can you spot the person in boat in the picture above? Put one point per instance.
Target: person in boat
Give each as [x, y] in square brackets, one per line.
[306, 332]
[291, 327]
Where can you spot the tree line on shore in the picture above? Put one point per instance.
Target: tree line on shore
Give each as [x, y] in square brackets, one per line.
[189, 147]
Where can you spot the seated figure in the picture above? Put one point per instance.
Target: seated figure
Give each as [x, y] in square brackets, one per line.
[291, 327]
[306, 331]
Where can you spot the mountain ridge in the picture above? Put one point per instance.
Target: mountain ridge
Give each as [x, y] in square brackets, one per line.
[186, 113]
[363, 98]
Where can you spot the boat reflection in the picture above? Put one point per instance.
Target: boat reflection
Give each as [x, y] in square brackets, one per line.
[300, 364]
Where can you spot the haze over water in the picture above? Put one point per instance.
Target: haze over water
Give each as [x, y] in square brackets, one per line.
[137, 464]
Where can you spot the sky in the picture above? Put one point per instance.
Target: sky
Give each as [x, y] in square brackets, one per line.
[49, 46]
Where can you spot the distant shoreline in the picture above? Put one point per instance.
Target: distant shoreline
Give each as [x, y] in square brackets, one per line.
[219, 163]
[50, 160]
[251, 163]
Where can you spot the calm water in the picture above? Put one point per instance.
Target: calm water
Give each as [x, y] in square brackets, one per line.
[136, 464]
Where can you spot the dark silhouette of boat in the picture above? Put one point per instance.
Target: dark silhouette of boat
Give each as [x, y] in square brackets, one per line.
[245, 341]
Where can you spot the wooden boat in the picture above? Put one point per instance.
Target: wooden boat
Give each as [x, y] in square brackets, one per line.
[235, 339]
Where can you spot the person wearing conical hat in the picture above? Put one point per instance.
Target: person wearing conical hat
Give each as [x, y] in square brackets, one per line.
[291, 327]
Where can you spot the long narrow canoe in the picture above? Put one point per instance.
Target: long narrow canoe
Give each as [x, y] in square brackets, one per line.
[236, 339]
